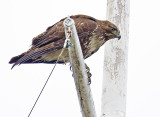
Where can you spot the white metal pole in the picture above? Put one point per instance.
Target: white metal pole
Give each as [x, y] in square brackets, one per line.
[115, 62]
[79, 70]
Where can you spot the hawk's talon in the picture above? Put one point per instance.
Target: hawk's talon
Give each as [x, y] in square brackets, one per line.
[71, 69]
[89, 77]
[89, 81]
[87, 68]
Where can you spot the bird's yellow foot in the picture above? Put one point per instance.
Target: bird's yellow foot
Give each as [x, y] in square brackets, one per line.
[88, 73]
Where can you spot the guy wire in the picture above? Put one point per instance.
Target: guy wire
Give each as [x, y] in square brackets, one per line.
[46, 82]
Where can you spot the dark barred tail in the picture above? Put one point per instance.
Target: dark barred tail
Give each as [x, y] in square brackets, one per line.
[25, 58]
[15, 59]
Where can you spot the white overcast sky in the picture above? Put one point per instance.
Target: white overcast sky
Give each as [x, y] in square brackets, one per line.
[21, 20]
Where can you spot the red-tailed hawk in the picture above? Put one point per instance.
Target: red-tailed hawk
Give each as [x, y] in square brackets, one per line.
[47, 46]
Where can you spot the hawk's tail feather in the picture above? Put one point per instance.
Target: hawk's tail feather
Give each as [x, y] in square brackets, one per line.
[24, 59]
[16, 58]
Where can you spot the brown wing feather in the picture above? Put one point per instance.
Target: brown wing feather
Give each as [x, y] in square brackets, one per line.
[84, 25]
[50, 35]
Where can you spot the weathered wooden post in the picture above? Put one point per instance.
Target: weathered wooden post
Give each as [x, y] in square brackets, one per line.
[115, 62]
[78, 66]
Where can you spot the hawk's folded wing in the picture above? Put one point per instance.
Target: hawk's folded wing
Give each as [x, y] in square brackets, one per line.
[53, 39]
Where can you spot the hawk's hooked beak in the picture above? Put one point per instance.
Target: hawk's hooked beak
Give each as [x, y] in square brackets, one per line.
[119, 36]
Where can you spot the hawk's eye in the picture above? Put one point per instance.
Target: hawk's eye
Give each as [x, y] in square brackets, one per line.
[113, 29]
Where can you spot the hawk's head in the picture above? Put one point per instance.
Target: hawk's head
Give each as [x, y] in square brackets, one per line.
[111, 30]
